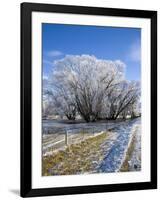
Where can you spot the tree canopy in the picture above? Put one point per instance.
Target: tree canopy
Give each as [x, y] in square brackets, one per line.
[90, 87]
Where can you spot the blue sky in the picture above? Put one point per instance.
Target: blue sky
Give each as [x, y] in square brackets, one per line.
[109, 43]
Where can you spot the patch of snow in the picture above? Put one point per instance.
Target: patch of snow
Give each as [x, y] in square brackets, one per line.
[115, 154]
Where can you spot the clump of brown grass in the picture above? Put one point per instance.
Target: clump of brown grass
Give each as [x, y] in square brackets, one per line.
[75, 159]
[125, 165]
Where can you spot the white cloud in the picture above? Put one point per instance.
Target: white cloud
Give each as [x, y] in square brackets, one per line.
[135, 52]
[54, 53]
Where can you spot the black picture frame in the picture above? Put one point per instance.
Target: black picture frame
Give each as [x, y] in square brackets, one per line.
[26, 102]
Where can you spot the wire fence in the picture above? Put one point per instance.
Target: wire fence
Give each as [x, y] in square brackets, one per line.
[53, 139]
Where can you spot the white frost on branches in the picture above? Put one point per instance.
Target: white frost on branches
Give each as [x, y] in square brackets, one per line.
[91, 87]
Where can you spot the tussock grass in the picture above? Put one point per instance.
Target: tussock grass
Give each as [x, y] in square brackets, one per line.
[75, 159]
[125, 165]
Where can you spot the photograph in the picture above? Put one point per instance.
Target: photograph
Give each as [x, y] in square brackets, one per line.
[88, 99]
[91, 99]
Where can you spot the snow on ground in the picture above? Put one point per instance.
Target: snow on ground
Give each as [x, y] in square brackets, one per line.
[117, 147]
[76, 132]
[113, 149]
[135, 162]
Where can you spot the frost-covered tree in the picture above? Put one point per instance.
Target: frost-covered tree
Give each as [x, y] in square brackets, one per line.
[57, 101]
[86, 80]
[64, 105]
[48, 104]
[121, 98]
[92, 88]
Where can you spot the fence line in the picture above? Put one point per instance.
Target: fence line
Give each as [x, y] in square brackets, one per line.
[54, 141]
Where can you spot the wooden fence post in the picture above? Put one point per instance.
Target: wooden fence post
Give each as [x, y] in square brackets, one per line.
[83, 133]
[66, 138]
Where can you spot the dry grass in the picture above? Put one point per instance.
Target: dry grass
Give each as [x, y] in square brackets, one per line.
[76, 159]
[125, 165]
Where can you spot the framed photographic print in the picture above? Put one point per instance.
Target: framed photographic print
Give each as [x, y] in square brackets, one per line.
[88, 99]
